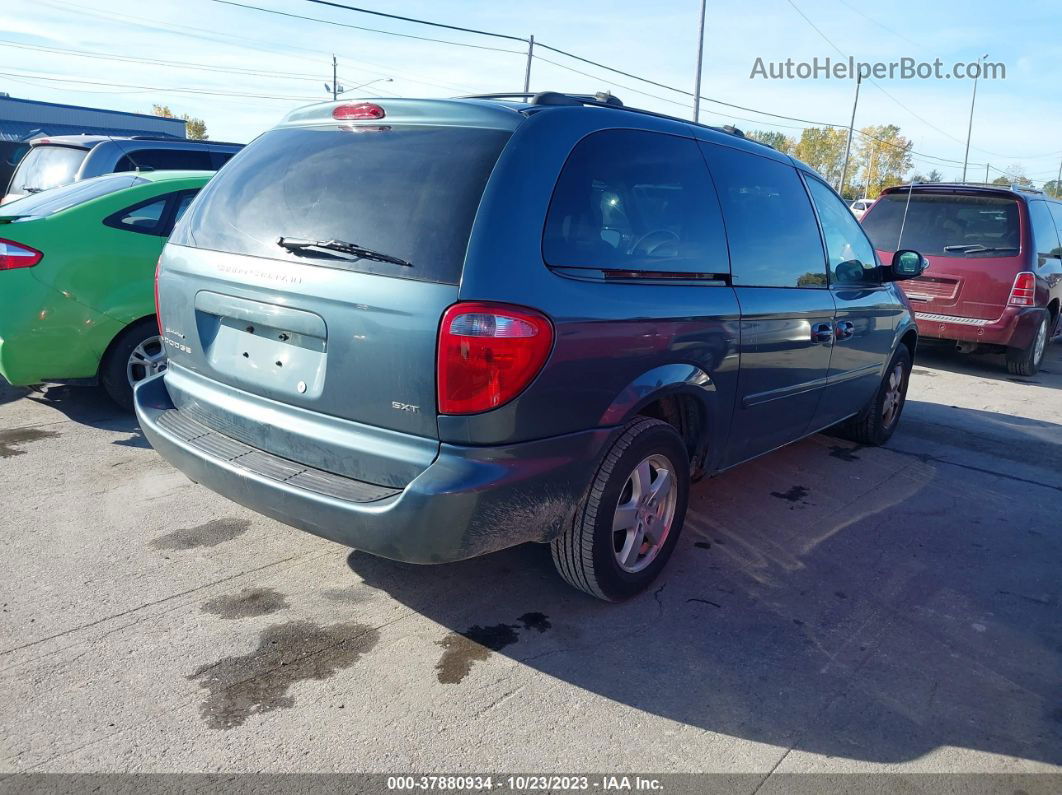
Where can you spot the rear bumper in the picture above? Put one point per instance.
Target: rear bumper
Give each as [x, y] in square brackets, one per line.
[1014, 328]
[469, 501]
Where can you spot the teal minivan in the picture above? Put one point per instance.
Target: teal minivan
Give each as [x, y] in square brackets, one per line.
[431, 329]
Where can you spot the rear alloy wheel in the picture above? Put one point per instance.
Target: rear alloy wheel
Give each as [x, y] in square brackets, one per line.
[627, 526]
[1026, 361]
[879, 418]
[138, 353]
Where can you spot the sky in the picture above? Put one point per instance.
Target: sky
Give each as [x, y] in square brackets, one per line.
[241, 69]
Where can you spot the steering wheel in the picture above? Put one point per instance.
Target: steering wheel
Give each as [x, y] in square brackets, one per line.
[665, 235]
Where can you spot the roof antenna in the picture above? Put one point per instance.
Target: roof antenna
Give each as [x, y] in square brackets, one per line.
[906, 207]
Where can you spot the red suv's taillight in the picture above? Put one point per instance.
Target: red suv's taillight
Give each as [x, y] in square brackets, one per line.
[15, 255]
[488, 354]
[1023, 293]
[158, 314]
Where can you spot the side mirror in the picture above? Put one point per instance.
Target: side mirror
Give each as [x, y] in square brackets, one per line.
[906, 264]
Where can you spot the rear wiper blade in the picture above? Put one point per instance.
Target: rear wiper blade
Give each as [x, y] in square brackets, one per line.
[297, 245]
[977, 248]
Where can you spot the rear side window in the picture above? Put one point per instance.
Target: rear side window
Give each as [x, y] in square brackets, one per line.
[39, 205]
[1056, 213]
[952, 225]
[774, 237]
[166, 160]
[155, 216]
[635, 201]
[47, 167]
[409, 192]
[1045, 236]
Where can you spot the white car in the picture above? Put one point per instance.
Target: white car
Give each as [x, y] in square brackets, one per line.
[860, 206]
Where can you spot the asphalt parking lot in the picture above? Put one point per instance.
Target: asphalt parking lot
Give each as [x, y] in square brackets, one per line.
[829, 609]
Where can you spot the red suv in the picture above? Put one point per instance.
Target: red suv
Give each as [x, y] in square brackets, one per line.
[994, 282]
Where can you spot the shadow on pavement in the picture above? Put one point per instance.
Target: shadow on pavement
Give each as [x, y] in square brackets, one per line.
[839, 600]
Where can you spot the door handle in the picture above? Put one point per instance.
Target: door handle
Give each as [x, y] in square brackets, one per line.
[845, 329]
[821, 332]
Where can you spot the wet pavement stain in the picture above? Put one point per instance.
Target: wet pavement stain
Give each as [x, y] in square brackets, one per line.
[462, 650]
[248, 603]
[702, 544]
[11, 440]
[795, 494]
[208, 534]
[845, 453]
[256, 683]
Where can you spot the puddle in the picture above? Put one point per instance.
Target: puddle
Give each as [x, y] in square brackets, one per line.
[795, 494]
[462, 650]
[12, 440]
[256, 683]
[248, 603]
[209, 534]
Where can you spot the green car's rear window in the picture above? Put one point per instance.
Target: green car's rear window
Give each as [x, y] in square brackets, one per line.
[49, 202]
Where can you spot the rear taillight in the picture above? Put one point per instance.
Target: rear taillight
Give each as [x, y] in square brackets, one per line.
[488, 354]
[158, 314]
[15, 255]
[1023, 293]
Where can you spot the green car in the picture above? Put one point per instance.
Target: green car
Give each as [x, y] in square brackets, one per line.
[77, 267]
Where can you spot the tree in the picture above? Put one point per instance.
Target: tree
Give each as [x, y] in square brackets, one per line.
[822, 148]
[1015, 175]
[780, 141]
[194, 128]
[882, 159]
[932, 176]
[1053, 188]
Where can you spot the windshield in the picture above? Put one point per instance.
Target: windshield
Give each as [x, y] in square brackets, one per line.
[952, 225]
[47, 167]
[38, 205]
[407, 192]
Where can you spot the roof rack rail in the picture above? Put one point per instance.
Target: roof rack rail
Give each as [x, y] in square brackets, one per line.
[604, 99]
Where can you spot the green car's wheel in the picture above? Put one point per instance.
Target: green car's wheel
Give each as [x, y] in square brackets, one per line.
[136, 354]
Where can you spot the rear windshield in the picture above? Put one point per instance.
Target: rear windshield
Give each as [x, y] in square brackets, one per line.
[407, 192]
[38, 205]
[950, 225]
[47, 167]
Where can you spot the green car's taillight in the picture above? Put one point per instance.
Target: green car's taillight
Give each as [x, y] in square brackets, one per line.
[15, 255]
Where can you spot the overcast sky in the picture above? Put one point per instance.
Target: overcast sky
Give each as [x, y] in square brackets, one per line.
[285, 61]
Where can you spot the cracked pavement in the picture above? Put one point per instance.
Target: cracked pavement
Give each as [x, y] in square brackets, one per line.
[830, 608]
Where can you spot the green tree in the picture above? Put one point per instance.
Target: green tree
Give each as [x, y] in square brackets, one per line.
[780, 141]
[194, 128]
[1053, 188]
[822, 148]
[1015, 175]
[882, 159]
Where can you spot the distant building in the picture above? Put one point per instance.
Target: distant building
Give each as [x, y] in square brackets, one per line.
[22, 120]
[25, 119]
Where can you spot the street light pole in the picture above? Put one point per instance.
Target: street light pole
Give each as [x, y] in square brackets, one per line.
[851, 132]
[969, 129]
[335, 79]
[700, 60]
[530, 55]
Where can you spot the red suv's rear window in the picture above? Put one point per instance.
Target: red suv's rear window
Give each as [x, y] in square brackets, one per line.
[943, 224]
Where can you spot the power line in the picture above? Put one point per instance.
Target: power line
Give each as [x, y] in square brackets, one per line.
[158, 88]
[418, 21]
[370, 30]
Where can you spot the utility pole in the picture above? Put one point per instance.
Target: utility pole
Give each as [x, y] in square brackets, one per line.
[851, 132]
[530, 55]
[700, 60]
[987, 166]
[870, 170]
[969, 129]
[1058, 181]
[335, 79]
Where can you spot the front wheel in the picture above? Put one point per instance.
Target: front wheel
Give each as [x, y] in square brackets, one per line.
[875, 424]
[1027, 360]
[136, 354]
[627, 526]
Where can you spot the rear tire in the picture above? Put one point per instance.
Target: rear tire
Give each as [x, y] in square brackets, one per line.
[874, 425]
[1026, 361]
[136, 354]
[627, 526]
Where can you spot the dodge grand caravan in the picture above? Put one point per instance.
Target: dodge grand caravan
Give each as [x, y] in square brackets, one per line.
[431, 329]
[996, 279]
